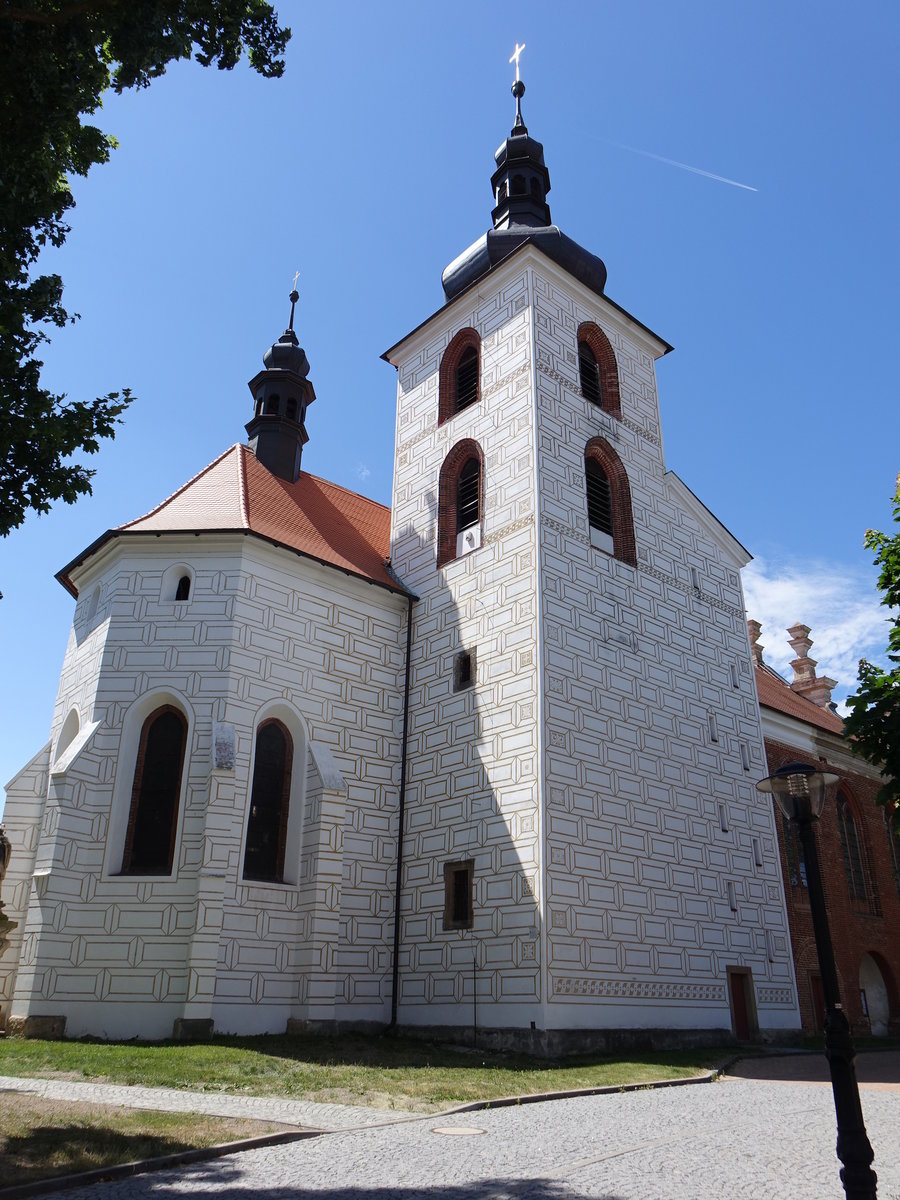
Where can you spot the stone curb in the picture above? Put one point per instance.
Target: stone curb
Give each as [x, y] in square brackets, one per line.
[43, 1187]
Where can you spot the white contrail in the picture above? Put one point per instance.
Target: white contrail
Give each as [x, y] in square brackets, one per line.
[684, 166]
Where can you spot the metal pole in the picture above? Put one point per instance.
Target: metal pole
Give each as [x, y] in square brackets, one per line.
[474, 993]
[853, 1146]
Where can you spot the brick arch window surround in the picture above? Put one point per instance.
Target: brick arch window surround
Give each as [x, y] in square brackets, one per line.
[609, 498]
[598, 372]
[460, 375]
[270, 795]
[153, 817]
[460, 496]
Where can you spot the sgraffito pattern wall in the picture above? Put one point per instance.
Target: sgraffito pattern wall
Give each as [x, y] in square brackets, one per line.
[124, 955]
[472, 778]
[662, 863]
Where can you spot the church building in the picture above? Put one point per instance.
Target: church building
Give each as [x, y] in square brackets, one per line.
[487, 757]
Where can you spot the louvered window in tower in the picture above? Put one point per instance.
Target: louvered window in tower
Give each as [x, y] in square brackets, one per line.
[468, 499]
[590, 374]
[466, 380]
[599, 502]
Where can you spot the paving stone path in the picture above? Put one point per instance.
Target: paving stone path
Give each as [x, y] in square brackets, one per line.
[302, 1113]
[750, 1139]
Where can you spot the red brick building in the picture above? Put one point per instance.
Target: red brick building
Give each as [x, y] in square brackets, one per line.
[859, 855]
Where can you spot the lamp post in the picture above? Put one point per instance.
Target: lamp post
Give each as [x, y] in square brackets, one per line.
[799, 791]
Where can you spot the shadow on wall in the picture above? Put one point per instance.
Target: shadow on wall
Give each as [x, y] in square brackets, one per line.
[470, 943]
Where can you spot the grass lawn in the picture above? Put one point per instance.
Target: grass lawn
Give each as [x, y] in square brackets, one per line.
[385, 1072]
[42, 1138]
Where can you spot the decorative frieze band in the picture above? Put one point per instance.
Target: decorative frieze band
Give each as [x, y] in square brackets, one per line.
[564, 381]
[671, 581]
[633, 989]
[775, 995]
[506, 530]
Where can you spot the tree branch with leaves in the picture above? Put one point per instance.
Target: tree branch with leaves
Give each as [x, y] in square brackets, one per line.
[56, 61]
[873, 725]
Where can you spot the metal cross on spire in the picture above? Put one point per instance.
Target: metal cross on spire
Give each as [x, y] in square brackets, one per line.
[294, 297]
[518, 88]
[516, 55]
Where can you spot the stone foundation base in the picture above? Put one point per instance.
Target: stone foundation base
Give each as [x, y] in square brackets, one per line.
[546, 1043]
[51, 1028]
[192, 1029]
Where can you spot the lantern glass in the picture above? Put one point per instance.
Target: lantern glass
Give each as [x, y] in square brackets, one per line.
[799, 790]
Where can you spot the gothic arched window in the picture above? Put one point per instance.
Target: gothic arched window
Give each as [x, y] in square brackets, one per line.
[853, 862]
[460, 374]
[183, 591]
[269, 804]
[460, 501]
[597, 369]
[892, 824]
[608, 494]
[153, 818]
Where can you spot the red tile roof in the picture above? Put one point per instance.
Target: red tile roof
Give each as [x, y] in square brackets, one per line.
[775, 693]
[313, 517]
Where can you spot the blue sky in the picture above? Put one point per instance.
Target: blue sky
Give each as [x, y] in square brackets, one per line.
[368, 168]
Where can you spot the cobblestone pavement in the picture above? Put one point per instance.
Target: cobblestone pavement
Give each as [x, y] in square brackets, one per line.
[261, 1108]
[737, 1138]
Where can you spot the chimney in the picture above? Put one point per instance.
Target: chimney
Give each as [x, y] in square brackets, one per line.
[806, 682]
[754, 629]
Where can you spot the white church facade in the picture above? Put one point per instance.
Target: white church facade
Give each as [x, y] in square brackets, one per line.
[486, 757]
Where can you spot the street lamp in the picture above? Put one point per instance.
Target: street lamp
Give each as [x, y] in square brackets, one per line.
[799, 791]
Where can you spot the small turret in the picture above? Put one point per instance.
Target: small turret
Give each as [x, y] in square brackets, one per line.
[281, 395]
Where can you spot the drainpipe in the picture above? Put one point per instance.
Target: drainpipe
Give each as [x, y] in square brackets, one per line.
[401, 810]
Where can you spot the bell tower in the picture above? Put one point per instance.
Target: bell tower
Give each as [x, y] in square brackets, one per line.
[588, 789]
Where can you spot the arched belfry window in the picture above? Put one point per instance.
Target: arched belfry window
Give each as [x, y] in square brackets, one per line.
[599, 502]
[153, 818]
[460, 375]
[598, 372]
[183, 590]
[608, 495]
[589, 374]
[460, 501]
[270, 796]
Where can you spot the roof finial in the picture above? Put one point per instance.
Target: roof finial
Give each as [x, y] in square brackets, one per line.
[294, 297]
[518, 88]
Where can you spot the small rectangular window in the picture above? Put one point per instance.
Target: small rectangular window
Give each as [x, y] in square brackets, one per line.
[713, 729]
[723, 818]
[770, 945]
[464, 664]
[745, 756]
[757, 852]
[734, 675]
[695, 579]
[459, 898]
[732, 898]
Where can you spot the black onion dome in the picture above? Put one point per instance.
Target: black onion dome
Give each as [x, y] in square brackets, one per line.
[287, 355]
[521, 215]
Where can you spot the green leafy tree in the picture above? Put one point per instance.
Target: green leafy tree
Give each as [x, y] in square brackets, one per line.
[874, 721]
[57, 58]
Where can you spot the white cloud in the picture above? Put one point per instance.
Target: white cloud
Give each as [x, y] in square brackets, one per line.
[841, 606]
